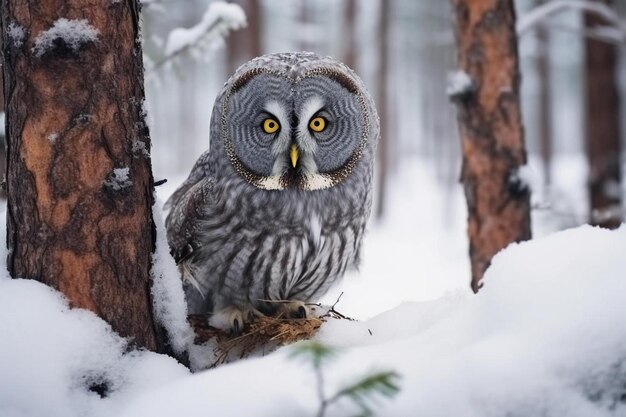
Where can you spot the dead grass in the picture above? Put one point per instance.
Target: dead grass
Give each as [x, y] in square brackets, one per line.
[262, 335]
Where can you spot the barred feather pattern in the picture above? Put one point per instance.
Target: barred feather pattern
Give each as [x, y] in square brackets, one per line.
[241, 245]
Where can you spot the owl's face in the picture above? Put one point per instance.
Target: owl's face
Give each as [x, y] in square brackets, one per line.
[306, 131]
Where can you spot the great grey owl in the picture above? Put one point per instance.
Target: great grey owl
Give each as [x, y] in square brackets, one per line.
[274, 212]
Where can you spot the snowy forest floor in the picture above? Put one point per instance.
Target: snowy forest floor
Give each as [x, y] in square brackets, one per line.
[544, 337]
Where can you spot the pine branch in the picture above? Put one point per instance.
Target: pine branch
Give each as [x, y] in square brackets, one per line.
[542, 12]
[317, 352]
[365, 391]
[204, 38]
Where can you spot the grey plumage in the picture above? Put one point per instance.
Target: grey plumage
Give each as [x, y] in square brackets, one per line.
[246, 226]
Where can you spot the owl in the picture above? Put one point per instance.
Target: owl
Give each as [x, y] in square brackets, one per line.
[274, 213]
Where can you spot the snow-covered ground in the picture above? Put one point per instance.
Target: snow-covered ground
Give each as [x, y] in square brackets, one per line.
[544, 337]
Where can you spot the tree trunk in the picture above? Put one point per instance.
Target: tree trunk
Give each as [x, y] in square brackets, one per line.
[491, 130]
[545, 101]
[306, 20]
[383, 107]
[79, 176]
[602, 129]
[349, 30]
[245, 44]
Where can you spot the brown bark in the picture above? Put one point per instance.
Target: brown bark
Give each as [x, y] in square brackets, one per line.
[491, 130]
[245, 44]
[73, 115]
[383, 107]
[602, 129]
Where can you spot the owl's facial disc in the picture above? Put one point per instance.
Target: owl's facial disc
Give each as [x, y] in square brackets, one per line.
[283, 133]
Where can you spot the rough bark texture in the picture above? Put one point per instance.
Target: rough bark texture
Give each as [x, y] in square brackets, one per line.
[602, 129]
[491, 130]
[74, 114]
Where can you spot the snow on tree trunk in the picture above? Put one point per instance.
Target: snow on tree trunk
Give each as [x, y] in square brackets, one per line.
[490, 128]
[79, 198]
[3, 151]
[602, 129]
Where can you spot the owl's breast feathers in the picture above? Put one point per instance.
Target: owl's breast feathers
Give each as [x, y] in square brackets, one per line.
[245, 246]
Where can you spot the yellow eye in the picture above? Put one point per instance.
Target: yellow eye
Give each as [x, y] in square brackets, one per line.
[270, 125]
[317, 124]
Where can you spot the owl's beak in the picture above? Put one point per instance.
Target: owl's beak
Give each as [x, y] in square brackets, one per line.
[293, 155]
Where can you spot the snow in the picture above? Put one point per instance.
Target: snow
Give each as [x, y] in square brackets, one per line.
[543, 11]
[17, 34]
[217, 21]
[53, 354]
[74, 32]
[170, 309]
[544, 337]
[139, 148]
[459, 84]
[418, 253]
[52, 137]
[119, 179]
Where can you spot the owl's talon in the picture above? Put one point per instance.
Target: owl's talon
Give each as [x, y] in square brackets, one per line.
[229, 319]
[235, 330]
[295, 310]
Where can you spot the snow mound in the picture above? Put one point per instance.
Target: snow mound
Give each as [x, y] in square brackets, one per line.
[60, 362]
[545, 337]
[74, 32]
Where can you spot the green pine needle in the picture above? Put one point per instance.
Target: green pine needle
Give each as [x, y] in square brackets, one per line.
[365, 391]
[317, 352]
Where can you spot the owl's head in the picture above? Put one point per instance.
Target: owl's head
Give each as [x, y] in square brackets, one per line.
[296, 121]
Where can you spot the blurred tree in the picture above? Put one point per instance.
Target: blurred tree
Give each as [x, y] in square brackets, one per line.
[602, 127]
[382, 104]
[245, 44]
[545, 99]
[305, 40]
[486, 90]
[349, 29]
[80, 189]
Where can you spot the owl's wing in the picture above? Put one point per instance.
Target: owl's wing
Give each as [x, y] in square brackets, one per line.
[198, 172]
[188, 205]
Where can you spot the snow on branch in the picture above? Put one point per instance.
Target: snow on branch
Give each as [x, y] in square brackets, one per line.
[542, 12]
[203, 39]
